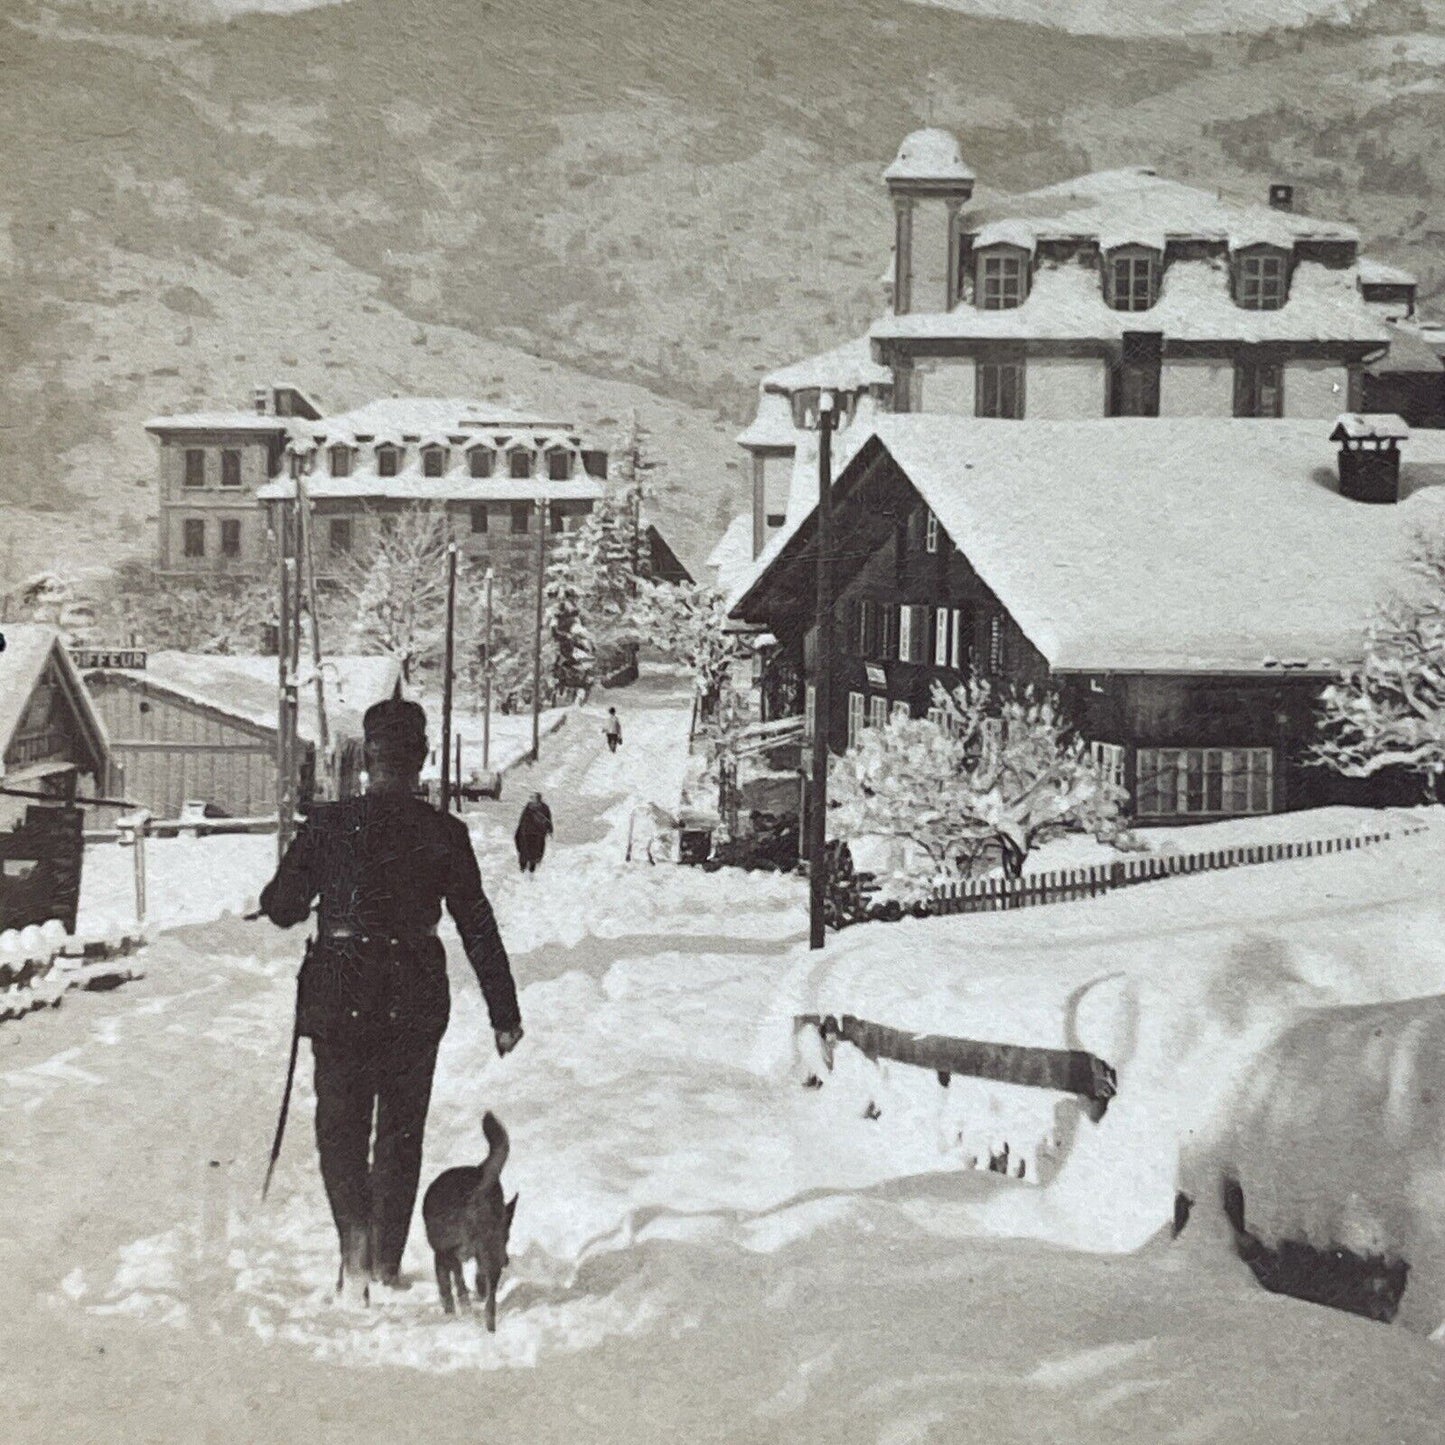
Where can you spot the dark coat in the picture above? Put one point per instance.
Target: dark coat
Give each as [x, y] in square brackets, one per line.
[382, 866]
[533, 829]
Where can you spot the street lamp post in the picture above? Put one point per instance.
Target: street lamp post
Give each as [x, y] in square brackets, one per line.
[817, 410]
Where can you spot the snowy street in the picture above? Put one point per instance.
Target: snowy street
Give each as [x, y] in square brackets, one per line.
[704, 1249]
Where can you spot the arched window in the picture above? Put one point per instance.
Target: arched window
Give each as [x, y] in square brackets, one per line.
[1261, 278]
[519, 463]
[388, 460]
[433, 461]
[1131, 278]
[480, 461]
[1001, 278]
[340, 456]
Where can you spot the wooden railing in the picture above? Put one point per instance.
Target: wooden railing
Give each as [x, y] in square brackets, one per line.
[989, 895]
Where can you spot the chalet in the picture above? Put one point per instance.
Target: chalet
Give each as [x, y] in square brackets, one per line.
[52, 739]
[194, 728]
[1188, 586]
[1119, 293]
[496, 474]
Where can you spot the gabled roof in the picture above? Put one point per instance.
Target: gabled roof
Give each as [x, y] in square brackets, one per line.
[1135, 544]
[849, 366]
[29, 648]
[1381, 273]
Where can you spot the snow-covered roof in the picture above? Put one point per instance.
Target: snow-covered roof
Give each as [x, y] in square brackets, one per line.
[1065, 302]
[415, 415]
[773, 425]
[849, 367]
[245, 687]
[29, 648]
[1381, 273]
[222, 421]
[732, 555]
[931, 154]
[1410, 350]
[1375, 426]
[1136, 202]
[1135, 544]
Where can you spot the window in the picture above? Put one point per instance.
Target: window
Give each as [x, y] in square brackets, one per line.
[900, 710]
[996, 649]
[479, 517]
[1134, 382]
[388, 461]
[890, 625]
[810, 710]
[433, 461]
[1258, 389]
[1259, 281]
[855, 718]
[558, 516]
[559, 465]
[938, 716]
[230, 468]
[955, 642]
[230, 538]
[1132, 281]
[521, 516]
[194, 537]
[479, 462]
[930, 532]
[519, 464]
[940, 636]
[1109, 759]
[340, 461]
[1001, 282]
[867, 629]
[339, 535]
[905, 634]
[877, 712]
[195, 467]
[999, 389]
[1204, 782]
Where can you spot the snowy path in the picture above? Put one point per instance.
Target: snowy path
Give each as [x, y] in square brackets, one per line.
[703, 1250]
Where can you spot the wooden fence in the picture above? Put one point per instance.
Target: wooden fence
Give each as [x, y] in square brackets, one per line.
[1065, 885]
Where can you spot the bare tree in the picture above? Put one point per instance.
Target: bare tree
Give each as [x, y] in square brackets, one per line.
[397, 587]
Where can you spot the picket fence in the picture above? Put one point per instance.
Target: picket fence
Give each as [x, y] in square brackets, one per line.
[1066, 885]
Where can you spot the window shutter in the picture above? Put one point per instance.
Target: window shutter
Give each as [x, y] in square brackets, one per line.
[955, 640]
[940, 637]
[905, 634]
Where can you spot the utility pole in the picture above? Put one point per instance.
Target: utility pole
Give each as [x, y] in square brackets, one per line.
[823, 674]
[487, 684]
[449, 666]
[330, 788]
[543, 518]
[287, 628]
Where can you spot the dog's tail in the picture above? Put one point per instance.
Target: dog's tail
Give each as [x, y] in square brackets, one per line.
[498, 1146]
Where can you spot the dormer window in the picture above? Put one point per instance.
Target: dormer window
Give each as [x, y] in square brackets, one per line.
[479, 462]
[1002, 279]
[1260, 279]
[559, 465]
[1132, 279]
[433, 461]
[388, 461]
[519, 463]
[340, 458]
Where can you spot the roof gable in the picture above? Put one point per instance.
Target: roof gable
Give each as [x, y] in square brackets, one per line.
[30, 649]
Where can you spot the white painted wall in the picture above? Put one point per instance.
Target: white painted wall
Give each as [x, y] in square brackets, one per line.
[777, 478]
[930, 255]
[1064, 388]
[1315, 389]
[944, 386]
[1196, 388]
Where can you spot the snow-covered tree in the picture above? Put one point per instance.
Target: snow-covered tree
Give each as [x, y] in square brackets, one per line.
[985, 771]
[210, 613]
[594, 568]
[633, 467]
[397, 587]
[1390, 711]
[573, 654]
[688, 623]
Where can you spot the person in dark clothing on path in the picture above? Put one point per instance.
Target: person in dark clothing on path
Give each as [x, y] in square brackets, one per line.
[373, 995]
[613, 730]
[533, 829]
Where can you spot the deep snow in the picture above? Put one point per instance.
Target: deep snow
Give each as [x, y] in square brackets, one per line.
[705, 1249]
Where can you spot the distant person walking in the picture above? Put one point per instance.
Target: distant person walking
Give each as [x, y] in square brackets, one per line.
[533, 829]
[612, 730]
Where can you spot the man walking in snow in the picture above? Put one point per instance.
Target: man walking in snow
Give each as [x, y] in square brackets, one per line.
[613, 730]
[533, 829]
[373, 995]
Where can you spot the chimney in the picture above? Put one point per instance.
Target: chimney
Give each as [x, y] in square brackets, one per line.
[1281, 197]
[261, 397]
[1370, 455]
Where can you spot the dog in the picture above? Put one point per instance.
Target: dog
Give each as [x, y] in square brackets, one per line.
[466, 1218]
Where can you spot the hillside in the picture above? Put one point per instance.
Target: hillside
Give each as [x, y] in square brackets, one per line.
[594, 207]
